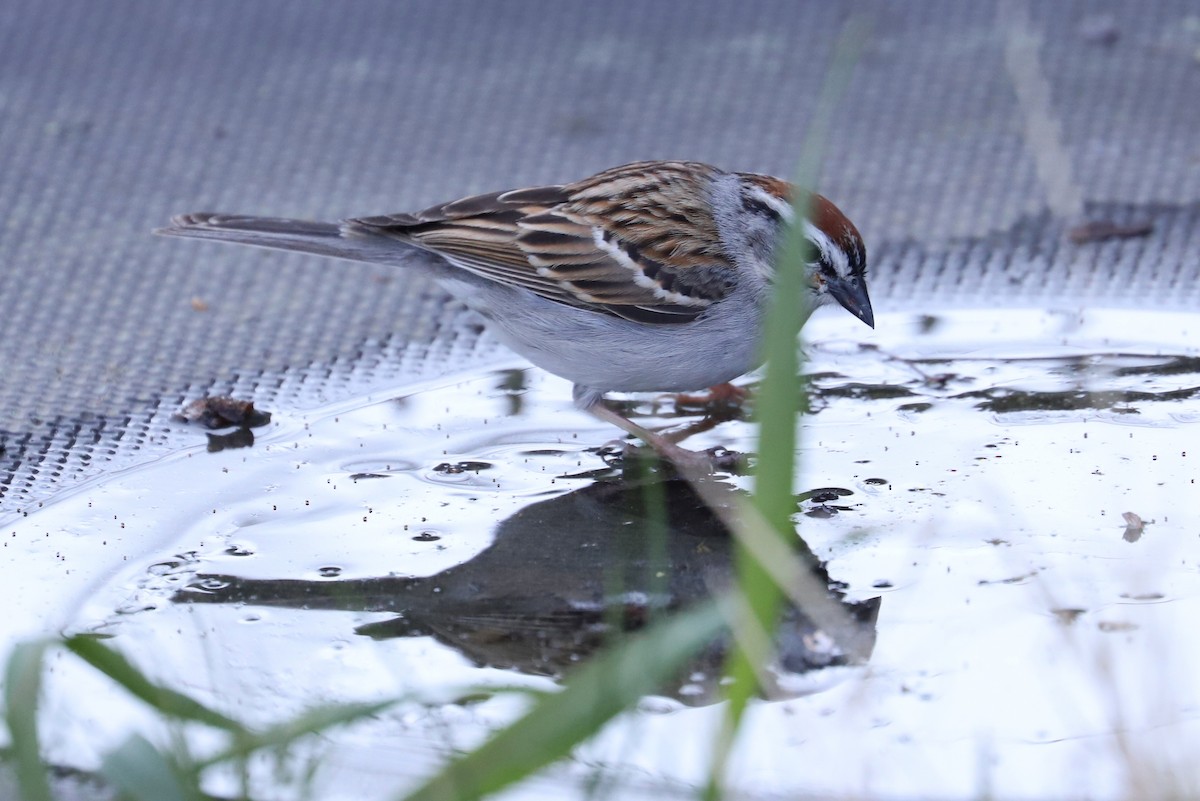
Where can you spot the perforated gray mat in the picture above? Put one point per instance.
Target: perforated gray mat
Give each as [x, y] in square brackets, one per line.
[115, 115]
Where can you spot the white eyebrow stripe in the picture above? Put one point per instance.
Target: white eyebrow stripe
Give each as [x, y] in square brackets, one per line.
[830, 252]
[776, 204]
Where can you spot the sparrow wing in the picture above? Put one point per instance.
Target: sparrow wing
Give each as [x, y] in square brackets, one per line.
[636, 241]
[477, 234]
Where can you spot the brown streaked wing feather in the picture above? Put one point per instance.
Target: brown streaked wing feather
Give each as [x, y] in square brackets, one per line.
[660, 258]
[661, 208]
[568, 252]
[490, 253]
[480, 206]
[544, 239]
[536, 196]
[477, 234]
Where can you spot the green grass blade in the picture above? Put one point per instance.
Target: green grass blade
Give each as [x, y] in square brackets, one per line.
[592, 696]
[780, 393]
[794, 576]
[140, 772]
[22, 683]
[778, 401]
[313, 721]
[165, 701]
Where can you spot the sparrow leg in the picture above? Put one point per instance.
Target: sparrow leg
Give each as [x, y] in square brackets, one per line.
[721, 395]
[691, 462]
[676, 454]
[706, 423]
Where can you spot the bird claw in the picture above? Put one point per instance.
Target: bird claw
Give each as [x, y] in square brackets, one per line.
[713, 460]
[726, 461]
[722, 397]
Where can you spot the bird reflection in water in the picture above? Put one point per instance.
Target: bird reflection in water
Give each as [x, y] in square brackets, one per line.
[566, 576]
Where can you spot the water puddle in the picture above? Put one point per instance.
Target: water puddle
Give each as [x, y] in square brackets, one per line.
[1004, 503]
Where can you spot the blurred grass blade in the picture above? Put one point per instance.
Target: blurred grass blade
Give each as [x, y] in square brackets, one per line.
[165, 701]
[22, 683]
[778, 401]
[139, 771]
[592, 696]
[313, 721]
[748, 633]
[781, 390]
[795, 578]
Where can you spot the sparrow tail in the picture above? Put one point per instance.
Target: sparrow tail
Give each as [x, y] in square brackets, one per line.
[341, 241]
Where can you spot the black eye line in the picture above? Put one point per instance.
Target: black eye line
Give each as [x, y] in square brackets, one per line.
[754, 205]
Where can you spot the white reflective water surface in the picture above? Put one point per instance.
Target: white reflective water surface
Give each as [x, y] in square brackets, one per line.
[975, 473]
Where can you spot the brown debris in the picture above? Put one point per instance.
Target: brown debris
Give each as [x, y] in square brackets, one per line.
[1103, 230]
[222, 411]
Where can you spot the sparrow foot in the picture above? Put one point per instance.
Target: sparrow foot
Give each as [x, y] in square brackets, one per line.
[722, 397]
[688, 462]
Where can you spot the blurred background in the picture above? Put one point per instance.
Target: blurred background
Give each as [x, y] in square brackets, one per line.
[968, 129]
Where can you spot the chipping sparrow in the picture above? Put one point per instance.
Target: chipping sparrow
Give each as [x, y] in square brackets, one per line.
[653, 276]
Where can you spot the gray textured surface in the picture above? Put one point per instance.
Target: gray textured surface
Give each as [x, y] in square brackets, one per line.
[115, 115]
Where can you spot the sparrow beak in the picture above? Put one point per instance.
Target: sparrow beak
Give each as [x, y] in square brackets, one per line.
[852, 294]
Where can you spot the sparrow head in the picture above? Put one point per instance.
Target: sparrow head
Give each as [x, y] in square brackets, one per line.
[836, 269]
